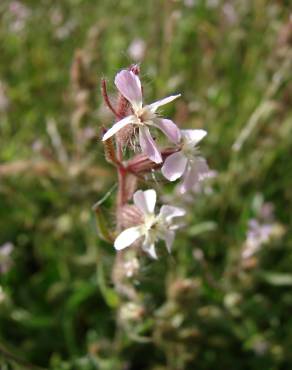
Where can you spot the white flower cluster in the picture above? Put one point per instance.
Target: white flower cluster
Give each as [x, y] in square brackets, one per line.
[184, 161]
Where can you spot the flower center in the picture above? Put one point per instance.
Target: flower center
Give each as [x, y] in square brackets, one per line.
[188, 150]
[150, 221]
[144, 115]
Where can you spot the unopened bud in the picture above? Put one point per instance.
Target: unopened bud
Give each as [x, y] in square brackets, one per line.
[109, 150]
[142, 164]
[131, 312]
[135, 69]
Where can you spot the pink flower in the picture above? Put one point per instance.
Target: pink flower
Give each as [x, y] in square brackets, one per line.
[129, 85]
[154, 227]
[186, 162]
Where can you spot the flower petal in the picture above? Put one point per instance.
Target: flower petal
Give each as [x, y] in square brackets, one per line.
[202, 168]
[190, 179]
[129, 85]
[193, 136]
[174, 166]
[168, 237]
[154, 106]
[148, 145]
[128, 237]
[118, 126]
[169, 128]
[197, 170]
[150, 249]
[145, 200]
[167, 213]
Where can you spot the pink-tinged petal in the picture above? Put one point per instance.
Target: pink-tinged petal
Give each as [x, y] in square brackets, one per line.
[145, 200]
[167, 213]
[148, 145]
[202, 168]
[154, 106]
[118, 126]
[193, 136]
[190, 179]
[169, 238]
[169, 128]
[129, 85]
[174, 166]
[196, 171]
[128, 237]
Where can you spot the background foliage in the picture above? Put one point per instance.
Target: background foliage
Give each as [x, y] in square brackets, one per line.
[206, 306]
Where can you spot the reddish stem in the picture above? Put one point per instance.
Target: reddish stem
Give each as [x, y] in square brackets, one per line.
[107, 100]
[122, 171]
[119, 112]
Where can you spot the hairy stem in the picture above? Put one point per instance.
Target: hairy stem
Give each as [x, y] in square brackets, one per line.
[107, 100]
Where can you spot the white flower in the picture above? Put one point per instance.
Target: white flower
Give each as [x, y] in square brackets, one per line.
[129, 85]
[154, 227]
[186, 162]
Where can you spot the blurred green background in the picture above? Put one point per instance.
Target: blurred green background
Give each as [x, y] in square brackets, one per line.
[223, 299]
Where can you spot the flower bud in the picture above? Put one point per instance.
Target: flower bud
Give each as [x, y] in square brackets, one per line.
[135, 69]
[142, 164]
[131, 312]
[109, 150]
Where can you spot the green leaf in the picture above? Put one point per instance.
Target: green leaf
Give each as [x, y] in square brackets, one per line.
[102, 228]
[202, 228]
[109, 295]
[277, 279]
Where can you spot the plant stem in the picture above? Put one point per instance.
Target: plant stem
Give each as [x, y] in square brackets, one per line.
[107, 100]
[121, 184]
